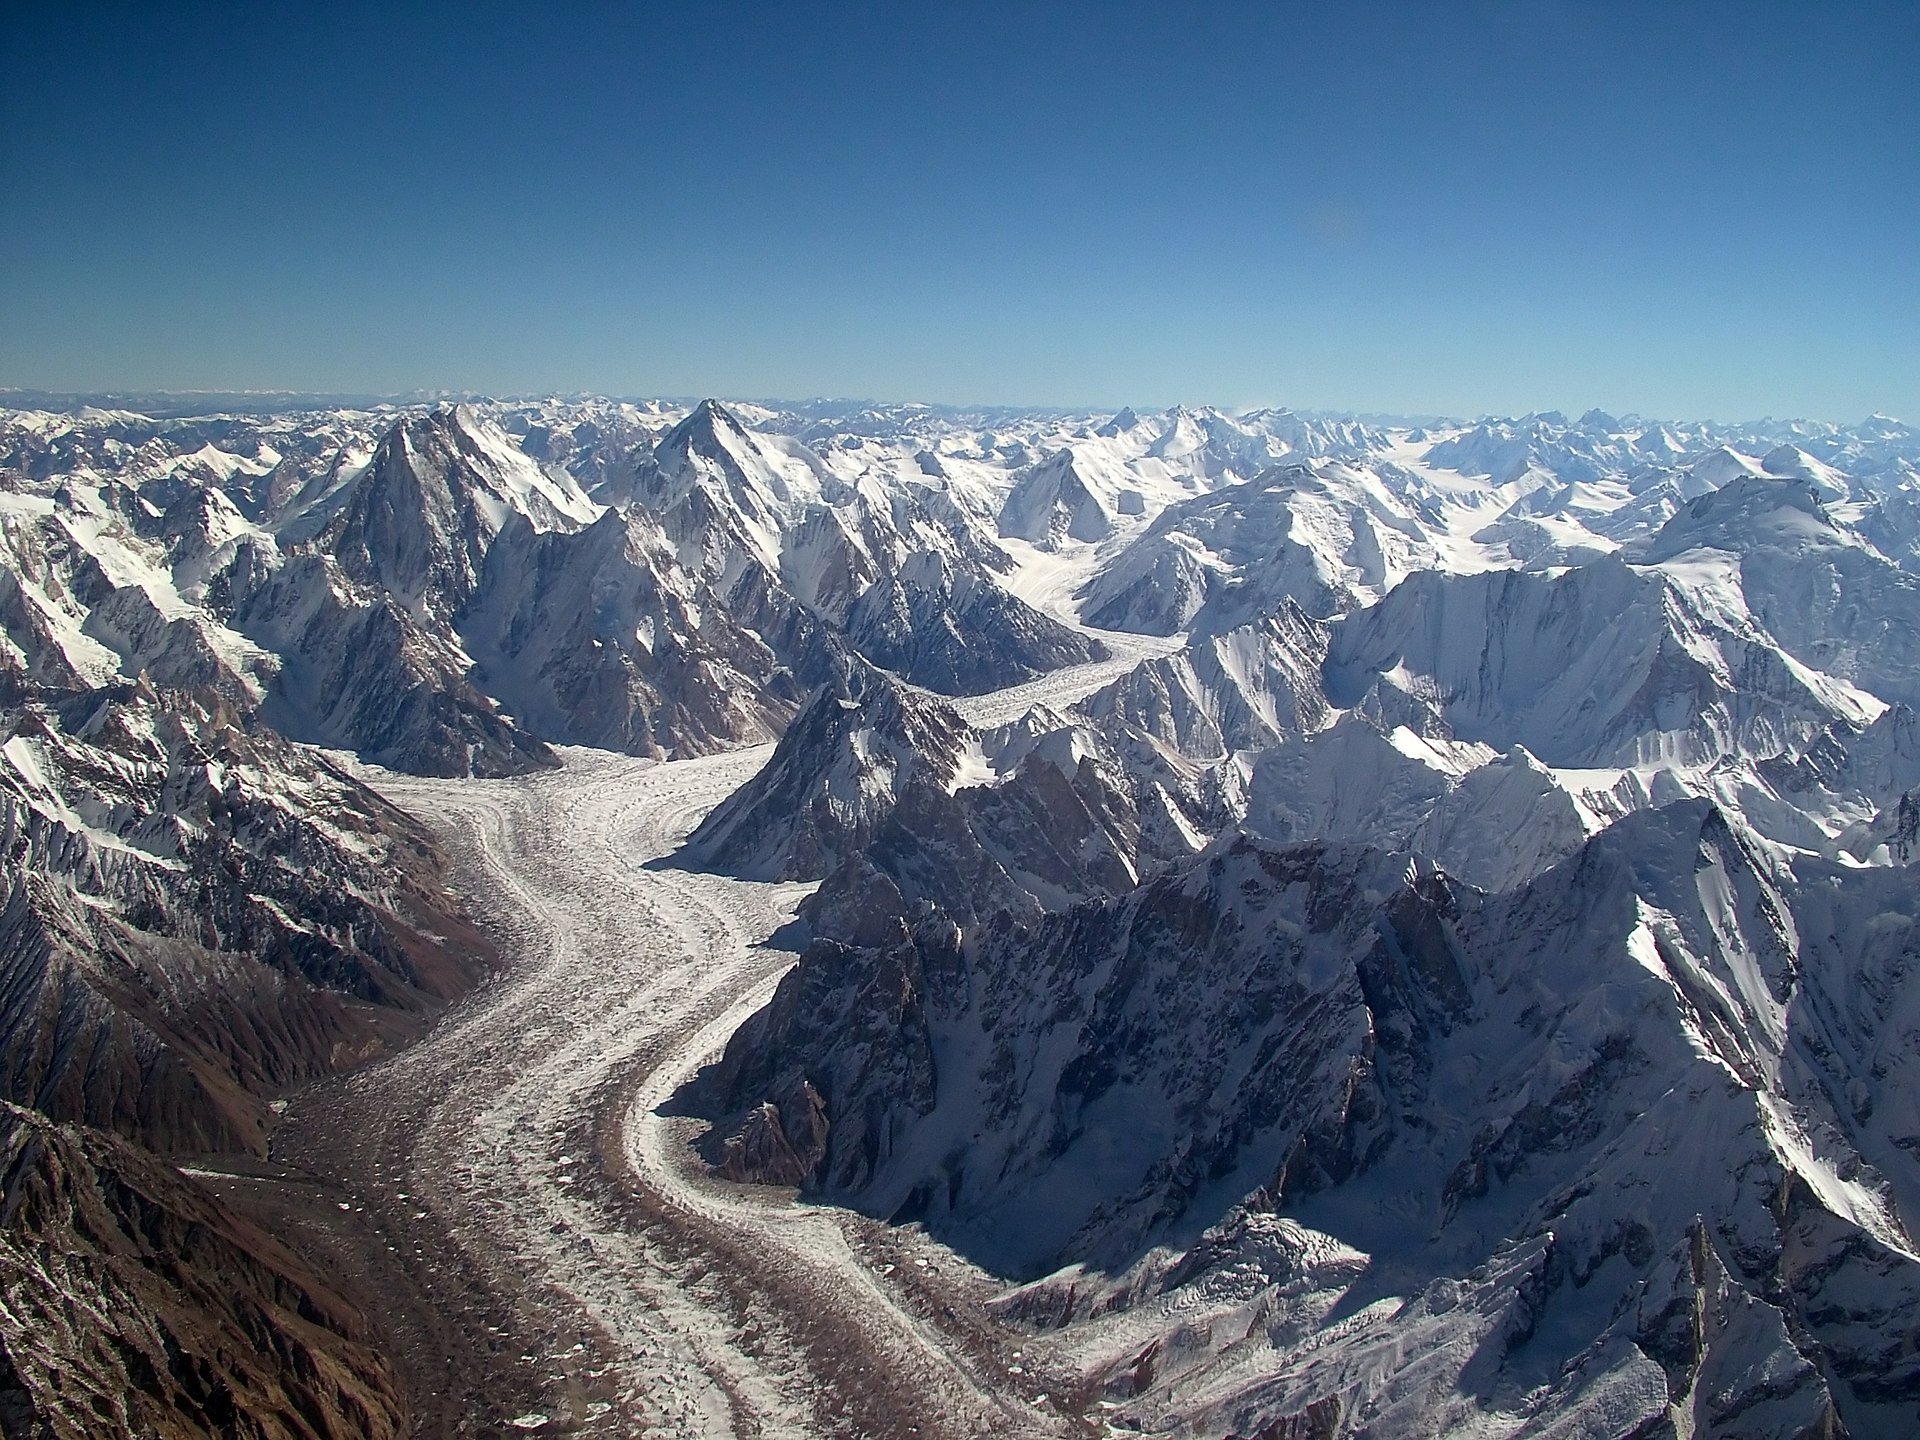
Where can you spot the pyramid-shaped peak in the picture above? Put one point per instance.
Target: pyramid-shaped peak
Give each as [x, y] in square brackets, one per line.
[715, 412]
[708, 423]
[456, 425]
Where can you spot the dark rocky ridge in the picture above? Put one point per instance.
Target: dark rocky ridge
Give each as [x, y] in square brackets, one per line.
[137, 1304]
[230, 917]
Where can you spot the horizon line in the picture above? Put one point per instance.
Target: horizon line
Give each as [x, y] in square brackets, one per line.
[428, 395]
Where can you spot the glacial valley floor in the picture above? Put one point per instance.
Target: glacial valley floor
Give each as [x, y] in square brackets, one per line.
[542, 1247]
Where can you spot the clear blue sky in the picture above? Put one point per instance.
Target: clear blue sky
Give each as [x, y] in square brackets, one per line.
[1691, 209]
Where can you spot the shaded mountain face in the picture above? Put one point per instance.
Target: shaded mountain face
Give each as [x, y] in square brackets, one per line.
[1584, 1107]
[1043, 813]
[957, 632]
[418, 523]
[601, 639]
[837, 773]
[138, 1305]
[1057, 500]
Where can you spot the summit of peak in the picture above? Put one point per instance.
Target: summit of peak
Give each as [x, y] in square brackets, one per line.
[710, 424]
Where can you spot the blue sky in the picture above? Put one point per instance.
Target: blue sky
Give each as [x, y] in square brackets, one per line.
[1677, 209]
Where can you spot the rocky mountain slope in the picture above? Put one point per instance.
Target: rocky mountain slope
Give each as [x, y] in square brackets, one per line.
[1461, 984]
[200, 916]
[1506, 991]
[1536, 1133]
[138, 1305]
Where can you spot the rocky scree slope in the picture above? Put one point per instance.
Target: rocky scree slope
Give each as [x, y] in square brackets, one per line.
[136, 1304]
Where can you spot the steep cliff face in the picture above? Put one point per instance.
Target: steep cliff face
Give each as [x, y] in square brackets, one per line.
[418, 524]
[1576, 1104]
[364, 611]
[136, 1304]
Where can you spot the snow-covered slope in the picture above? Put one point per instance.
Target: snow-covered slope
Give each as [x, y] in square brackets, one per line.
[1821, 592]
[1326, 537]
[1242, 689]
[1519, 1134]
[954, 629]
[1601, 665]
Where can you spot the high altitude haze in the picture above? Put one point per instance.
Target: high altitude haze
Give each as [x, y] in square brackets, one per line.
[1489, 207]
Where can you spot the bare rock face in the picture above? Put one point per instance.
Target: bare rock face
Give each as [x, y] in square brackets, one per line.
[137, 1305]
[779, 1144]
[1361, 1058]
[197, 916]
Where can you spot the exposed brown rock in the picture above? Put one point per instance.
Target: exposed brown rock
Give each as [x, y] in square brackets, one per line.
[138, 1305]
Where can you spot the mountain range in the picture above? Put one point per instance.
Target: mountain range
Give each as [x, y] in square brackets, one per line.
[1453, 976]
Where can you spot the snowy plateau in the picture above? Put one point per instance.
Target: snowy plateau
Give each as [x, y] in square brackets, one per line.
[590, 917]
